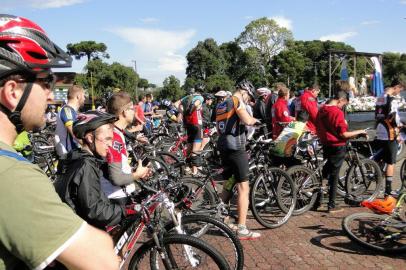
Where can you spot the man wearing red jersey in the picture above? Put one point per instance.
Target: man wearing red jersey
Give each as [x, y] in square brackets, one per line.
[309, 107]
[280, 112]
[332, 130]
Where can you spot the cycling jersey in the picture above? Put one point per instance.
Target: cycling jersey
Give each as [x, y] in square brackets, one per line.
[387, 117]
[308, 109]
[63, 139]
[231, 130]
[119, 170]
[280, 113]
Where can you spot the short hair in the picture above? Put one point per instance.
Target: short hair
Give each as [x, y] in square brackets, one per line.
[148, 96]
[283, 92]
[399, 80]
[342, 95]
[117, 101]
[74, 90]
[279, 85]
[342, 85]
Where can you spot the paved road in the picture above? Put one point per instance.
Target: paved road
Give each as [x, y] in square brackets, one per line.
[315, 240]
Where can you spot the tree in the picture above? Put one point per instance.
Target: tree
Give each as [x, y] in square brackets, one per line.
[171, 89]
[104, 77]
[394, 65]
[265, 35]
[219, 80]
[204, 60]
[143, 83]
[90, 49]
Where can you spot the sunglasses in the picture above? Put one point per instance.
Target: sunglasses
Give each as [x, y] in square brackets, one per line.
[46, 80]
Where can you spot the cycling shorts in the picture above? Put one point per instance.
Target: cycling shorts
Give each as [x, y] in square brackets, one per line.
[194, 133]
[235, 162]
[389, 151]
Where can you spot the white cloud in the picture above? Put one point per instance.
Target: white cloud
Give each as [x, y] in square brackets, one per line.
[8, 5]
[283, 21]
[248, 17]
[158, 52]
[149, 20]
[370, 22]
[338, 37]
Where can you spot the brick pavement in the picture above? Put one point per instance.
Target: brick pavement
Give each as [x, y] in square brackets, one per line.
[313, 240]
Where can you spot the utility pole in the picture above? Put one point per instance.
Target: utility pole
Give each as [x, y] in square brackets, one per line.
[136, 86]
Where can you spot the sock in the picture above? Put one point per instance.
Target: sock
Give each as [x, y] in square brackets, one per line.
[242, 227]
[388, 186]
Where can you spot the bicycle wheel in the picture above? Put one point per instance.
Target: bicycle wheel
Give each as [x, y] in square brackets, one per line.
[364, 180]
[179, 252]
[402, 177]
[214, 232]
[378, 232]
[172, 161]
[201, 196]
[273, 198]
[307, 187]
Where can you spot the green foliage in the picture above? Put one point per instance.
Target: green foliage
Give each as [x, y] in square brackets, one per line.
[90, 49]
[219, 80]
[205, 60]
[171, 89]
[143, 83]
[266, 36]
[394, 65]
[105, 77]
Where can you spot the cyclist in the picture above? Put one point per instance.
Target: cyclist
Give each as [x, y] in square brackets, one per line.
[120, 174]
[231, 118]
[260, 105]
[207, 113]
[49, 229]
[280, 112]
[307, 108]
[51, 115]
[332, 129]
[387, 127]
[190, 110]
[79, 185]
[64, 138]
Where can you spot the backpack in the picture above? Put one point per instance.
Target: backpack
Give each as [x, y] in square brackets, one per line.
[187, 104]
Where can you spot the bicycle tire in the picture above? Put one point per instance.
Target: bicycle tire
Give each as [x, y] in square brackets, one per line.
[307, 186]
[269, 205]
[360, 189]
[149, 248]
[204, 199]
[402, 177]
[172, 161]
[207, 229]
[373, 230]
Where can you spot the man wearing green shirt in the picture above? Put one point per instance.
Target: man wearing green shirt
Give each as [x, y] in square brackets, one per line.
[36, 228]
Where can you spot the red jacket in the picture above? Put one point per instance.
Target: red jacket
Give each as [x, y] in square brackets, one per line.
[331, 125]
[308, 103]
[280, 113]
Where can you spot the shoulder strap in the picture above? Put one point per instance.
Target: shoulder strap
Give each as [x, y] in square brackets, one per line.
[12, 155]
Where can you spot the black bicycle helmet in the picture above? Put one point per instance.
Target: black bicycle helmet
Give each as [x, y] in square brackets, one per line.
[26, 49]
[90, 121]
[247, 86]
[208, 96]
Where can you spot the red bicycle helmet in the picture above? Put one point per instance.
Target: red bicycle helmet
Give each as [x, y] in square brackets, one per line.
[25, 48]
[380, 206]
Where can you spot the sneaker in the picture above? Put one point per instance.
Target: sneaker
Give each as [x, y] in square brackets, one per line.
[245, 234]
[335, 210]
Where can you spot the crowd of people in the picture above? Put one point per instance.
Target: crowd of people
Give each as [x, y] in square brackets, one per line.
[42, 223]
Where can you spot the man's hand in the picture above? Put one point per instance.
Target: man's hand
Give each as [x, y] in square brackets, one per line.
[142, 172]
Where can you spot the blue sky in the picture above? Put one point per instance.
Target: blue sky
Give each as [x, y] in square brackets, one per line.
[158, 34]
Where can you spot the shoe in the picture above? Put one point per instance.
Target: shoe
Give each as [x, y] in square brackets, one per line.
[335, 210]
[245, 234]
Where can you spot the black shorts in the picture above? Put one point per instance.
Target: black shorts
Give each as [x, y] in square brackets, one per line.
[235, 162]
[194, 133]
[389, 151]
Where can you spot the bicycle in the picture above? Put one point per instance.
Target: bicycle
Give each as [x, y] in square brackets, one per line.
[162, 249]
[380, 232]
[363, 179]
